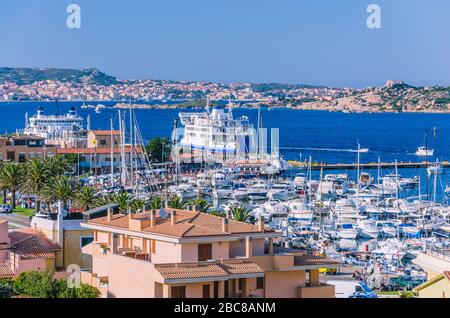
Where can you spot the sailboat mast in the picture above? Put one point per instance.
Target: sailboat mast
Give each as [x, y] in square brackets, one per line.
[426, 161]
[112, 153]
[131, 147]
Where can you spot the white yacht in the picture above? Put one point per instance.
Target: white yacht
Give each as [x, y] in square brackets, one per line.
[424, 152]
[367, 229]
[270, 210]
[240, 191]
[258, 191]
[203, 179]
[224, 191]
[282, 192]
[387, 228]
[346, 231]
[326, 190]
[300, 180]
[299, 209]
[183, 191]
[345, 209]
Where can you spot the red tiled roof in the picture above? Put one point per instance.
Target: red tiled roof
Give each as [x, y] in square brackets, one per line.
[98, 150]
[6, 271]
[447, 275]
[188, 224]
[30, 243]
[105, 132]
[207, 269]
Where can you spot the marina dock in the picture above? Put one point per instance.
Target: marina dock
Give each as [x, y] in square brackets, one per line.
[371, 165]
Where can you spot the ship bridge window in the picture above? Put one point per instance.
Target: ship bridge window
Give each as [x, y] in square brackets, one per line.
[19, 142]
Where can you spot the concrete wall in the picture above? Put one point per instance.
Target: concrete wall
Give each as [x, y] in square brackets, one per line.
[72, 248]
[4, 238]
[127, 277]
[284, 284]
[440, 289]
[166, 253]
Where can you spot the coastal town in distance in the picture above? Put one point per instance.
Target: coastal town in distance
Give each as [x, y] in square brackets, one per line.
[230, 187]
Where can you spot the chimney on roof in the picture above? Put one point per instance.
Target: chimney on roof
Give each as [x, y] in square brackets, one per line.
[194, 207]
[130, 215]
[261, 224]
[224, 225]
[248, 247]
[173, 217]
[110, 214]
[152, 218]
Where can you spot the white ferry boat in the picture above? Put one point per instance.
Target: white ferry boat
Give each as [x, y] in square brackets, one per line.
[215, 135]
[63, 130]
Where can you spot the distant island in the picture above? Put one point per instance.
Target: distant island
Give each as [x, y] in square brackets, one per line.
[47, 84]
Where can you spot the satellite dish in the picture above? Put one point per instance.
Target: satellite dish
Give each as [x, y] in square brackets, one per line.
[163, 214]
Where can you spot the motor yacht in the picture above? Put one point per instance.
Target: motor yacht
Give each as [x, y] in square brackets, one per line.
[281, 192]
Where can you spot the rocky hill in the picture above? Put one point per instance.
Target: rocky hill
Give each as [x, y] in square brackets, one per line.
[395, 96]
[23, 76]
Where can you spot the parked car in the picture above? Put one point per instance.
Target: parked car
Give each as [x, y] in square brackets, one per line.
[406, 282]
[352, 289]
[5, 208]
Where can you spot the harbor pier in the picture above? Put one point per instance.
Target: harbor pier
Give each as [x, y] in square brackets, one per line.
[371, 165]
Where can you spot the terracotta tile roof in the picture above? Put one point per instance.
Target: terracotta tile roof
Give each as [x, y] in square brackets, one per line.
[188, 224]
[5, 271]
[98, 150]
[105, 132]
[236, 268]
[185, 271]
[220, 269]
[311, 260]
[31, 243]
[447, 275]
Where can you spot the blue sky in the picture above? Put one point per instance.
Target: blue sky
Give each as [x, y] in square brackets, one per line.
[292, 41]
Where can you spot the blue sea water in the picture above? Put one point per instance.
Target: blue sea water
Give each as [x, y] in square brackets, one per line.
[325, 136]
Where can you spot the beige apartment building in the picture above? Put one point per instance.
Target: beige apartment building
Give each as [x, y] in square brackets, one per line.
[20, 148]
[180, 253]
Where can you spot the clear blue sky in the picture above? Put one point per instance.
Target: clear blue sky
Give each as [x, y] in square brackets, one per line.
[292, 41]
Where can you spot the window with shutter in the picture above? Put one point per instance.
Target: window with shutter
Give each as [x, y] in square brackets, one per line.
[204, 252]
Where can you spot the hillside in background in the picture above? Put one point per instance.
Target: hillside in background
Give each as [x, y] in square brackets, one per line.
[30, 75]
[395, 96]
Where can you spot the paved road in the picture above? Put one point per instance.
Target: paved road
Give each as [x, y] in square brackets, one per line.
[15, 220]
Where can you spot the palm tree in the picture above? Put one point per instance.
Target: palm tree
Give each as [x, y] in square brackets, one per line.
[137, 205]
[123, 200]
[59, 188]
[155, 203]
[201, 205]
[175, 202]
[11, 178]
[37, 176]
[85, 199]
[239, 213]
[2, 186]
[217, 213]
[56, 165]
[103, 200]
